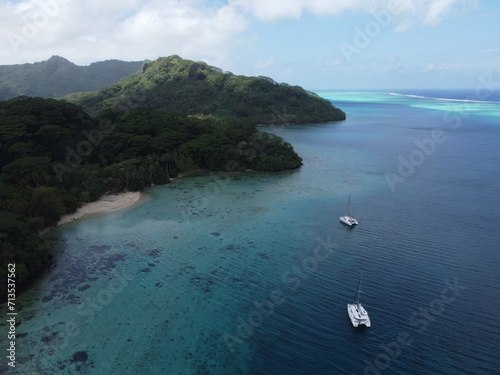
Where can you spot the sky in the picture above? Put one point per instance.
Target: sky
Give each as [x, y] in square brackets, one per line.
[317, 44]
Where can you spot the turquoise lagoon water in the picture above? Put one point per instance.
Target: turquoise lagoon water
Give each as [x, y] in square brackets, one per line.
[250, 273]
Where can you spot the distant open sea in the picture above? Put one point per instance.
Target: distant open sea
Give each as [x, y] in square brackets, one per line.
[250, 273]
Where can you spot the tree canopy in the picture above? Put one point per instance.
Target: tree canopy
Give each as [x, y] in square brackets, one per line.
[57, 77]
[196, 88]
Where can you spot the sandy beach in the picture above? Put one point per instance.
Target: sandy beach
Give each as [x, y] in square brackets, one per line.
[106, 203]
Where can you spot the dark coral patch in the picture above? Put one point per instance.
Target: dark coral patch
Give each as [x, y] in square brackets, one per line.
[73, 299]
[47, 298]
[81, 356]
[109, 262]
[50, 338]
[101, 248]
[155, 253]
[186, 269]
[84, 287]
[206, 283]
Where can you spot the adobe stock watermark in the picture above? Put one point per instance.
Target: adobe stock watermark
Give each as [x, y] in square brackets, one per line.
[292, 280]
[426, 147]
[407, 165]
[88, 310]
[487, 85]
[35, 21]
[372, 29]
[420, 321]
[92, 306]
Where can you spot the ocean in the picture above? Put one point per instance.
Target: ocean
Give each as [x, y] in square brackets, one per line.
[250, 273]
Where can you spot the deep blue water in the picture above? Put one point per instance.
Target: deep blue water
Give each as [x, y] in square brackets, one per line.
[250, 273]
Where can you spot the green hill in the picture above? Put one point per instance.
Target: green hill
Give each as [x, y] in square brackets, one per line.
[195, 88]
[57, 77]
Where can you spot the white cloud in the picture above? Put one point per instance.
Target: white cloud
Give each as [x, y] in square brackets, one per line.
[265, 63]
[428, 67]
[409, 12]
[436, 10]
[181, 29]
[442, 67]
[392, 59]
[287, 72]
[271, 10]
[93, 30]
[337, 61]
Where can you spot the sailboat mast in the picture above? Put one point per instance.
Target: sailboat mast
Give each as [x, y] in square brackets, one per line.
[359, 289]
[349, 206]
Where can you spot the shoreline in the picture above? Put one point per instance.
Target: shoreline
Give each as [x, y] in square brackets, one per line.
[184, 174]
[112, 202]
[106, 203]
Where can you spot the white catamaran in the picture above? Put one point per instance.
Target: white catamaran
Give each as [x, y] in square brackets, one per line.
[357, 312]
[348, 219]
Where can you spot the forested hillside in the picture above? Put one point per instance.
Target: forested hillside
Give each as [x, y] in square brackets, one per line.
[195, 88]
[57, 77]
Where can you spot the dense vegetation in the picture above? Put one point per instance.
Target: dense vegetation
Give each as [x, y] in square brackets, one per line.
[57, 77]
[195, 88]
[54, 157]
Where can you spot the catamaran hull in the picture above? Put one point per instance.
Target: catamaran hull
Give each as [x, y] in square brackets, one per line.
[348, 220]
[358, 315]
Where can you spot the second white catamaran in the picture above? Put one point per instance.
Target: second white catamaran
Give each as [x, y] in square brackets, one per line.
[357, 312]
[348, 219]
